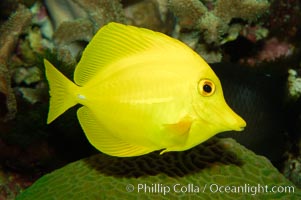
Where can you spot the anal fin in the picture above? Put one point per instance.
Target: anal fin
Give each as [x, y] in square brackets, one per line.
[105, 141]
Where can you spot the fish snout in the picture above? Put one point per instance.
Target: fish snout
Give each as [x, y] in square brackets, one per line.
[241, 124]
[231, 120]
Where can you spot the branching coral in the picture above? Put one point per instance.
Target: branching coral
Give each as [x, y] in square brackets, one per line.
[248, 10]
[272, 49]
[78, 20]
[149, 14]
[215, 22]
[10, 33]
[284, 17]
[294, 84]
[193, 14]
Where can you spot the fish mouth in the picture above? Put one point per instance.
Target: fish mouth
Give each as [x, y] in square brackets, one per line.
[222, 118]
[230, 121]
[235, 122]
[240, 128]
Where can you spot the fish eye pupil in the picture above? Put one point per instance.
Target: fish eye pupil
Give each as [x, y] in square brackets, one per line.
[207, 88]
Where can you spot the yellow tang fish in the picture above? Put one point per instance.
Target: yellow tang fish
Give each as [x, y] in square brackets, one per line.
[142, 91]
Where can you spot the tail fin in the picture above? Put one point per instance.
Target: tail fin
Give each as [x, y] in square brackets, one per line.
[62, 92]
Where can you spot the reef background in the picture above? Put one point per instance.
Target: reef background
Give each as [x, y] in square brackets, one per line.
[253, 45]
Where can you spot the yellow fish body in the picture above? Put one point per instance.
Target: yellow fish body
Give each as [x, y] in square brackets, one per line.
[142, 91]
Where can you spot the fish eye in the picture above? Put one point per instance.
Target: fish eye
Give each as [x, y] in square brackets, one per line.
[206, 87]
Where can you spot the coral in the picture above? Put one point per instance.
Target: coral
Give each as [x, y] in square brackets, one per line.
[10, 32]
[218, 161]
[292, 163]
[274, 37]
[214, 23]
[12, 184]
[217, 21]
[82, 31]
[100, 12]
[254, 33]
[284, 17]
[294, 84]
[28, 76]
[292, 169]
[77, 21]
[189, 13]
[248, 10]
[146, 14]
[32, 160]
[33, 95]
[9, 6]
[272, 49]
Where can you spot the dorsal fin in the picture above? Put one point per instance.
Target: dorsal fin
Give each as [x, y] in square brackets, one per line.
[116, 41]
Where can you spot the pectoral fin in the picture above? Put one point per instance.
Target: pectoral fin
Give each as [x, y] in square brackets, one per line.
[105, 141]
[179, 133]
[181, 127]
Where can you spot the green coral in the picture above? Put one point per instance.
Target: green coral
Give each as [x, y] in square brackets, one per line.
[76, 21]
[218, 161]
[217, 21]
[294, 84]
[248, 10]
